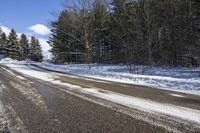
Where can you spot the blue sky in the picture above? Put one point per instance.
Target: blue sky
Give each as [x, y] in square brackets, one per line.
[29, 16]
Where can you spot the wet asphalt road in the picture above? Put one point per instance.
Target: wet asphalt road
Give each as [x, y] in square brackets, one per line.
[33, 106]
[158, 95]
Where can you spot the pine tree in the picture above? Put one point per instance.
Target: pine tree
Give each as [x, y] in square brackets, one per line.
[192, 45]
[100, 20]
[61, 35]
[31, 47]
[24, 43]
[13, 49]
[147, 32]
[117, 31]
[124, 32]
[3, 41]
[35, 53]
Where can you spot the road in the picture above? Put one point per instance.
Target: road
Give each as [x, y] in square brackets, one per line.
[70, 104]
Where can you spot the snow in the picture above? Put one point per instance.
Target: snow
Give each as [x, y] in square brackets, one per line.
[176, 79]
[137, 103]
[146, 105]
[20, 77]
[7, 60]
[128, 101]
[180, 79]
[175, 95]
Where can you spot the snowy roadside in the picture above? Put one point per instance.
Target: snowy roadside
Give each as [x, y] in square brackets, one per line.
[128, 101]
[176, 79]
[185, 80]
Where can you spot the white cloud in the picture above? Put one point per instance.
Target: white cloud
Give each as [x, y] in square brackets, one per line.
[45, 46]
[6, 30]
[40, 29]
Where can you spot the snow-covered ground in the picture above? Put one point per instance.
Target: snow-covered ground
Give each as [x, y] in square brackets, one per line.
[129, 101]
[177, 79]
[7, 60]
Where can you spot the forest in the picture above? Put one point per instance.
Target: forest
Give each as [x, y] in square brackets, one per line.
[20, 48]
[142, 32]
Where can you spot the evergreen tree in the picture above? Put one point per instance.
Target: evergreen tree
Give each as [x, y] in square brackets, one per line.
[193, 33]
[118, 32]
[62, 34]
[100, 20]
[124, 32]
[35, 53]
[147, 32]
[24, 43]
[13, 49]
[3, 41]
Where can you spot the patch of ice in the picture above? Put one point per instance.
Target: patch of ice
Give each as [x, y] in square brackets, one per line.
[176, 95]
[20, 77]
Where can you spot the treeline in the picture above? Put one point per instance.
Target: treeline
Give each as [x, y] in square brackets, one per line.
[20, 48]
[145, 32]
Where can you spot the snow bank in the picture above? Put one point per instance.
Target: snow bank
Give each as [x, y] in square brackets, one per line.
[12, 61]
[128, 101]
[178, 79]
[7, 60]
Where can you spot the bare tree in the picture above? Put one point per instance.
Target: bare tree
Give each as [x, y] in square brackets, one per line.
[83, 31]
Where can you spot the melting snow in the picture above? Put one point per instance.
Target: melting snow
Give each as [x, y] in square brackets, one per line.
[132, 102]
[176, 79]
